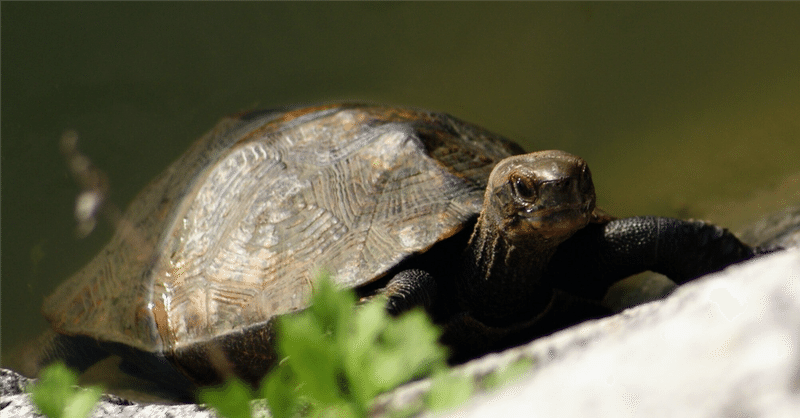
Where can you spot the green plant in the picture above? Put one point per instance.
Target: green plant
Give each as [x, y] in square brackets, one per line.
[231, 400]
[337, 357]
[57, 396]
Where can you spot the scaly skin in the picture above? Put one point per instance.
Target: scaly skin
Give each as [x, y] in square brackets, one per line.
[533, 203]
[541, 258]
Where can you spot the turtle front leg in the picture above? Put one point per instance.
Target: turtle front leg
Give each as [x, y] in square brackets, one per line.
[602, 254]
[409, 289]
[681, 250]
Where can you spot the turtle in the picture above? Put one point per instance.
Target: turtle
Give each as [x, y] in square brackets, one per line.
[498, 246]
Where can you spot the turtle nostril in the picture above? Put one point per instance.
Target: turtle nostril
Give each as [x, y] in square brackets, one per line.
[560, 186]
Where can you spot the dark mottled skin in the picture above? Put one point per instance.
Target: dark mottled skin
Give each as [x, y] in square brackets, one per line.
[518, 279]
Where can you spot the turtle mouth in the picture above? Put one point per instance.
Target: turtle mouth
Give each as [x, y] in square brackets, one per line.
[557, 220]
[540, 212]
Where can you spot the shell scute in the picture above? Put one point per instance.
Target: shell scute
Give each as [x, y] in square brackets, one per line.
[234, 232]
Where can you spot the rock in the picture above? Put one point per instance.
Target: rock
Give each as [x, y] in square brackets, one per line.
[16, 403]
[778, 229]
[725, 345]
[12, 383]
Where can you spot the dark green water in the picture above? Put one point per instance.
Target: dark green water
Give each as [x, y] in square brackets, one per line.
[681, 109]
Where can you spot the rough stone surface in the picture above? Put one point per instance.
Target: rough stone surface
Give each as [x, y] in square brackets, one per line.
[780, 228]
[725, 345]
[14, 402]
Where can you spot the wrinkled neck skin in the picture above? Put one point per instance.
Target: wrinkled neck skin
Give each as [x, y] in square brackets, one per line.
[502, 277]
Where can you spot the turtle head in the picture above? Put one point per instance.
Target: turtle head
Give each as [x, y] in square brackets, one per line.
[546, 195]
[533, 203]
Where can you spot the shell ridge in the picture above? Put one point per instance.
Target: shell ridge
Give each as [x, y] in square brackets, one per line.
[241, 222]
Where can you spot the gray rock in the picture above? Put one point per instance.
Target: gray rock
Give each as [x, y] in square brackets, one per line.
[724, 345]
[727, 344]
[14, 402]
[778, 229]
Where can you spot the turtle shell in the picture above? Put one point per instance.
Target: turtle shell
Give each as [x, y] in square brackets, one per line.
[234, 232]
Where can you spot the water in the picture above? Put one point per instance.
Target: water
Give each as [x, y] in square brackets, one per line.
[689, 110]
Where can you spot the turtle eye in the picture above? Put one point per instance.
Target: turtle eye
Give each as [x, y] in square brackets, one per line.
[586, 178]
[585, 174]
[523, 188]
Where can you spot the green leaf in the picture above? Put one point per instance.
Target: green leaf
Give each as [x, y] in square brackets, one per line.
[81, 404]
[279, 388]
[507, 374]
[231, 400]
[339, 356]
[411, 348]
[332, 308]
[56, 394]
[358, 350]
[448, 391]
[342, 410]
[311, 356]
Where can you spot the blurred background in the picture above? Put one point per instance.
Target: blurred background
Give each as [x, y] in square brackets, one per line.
[681, 109]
